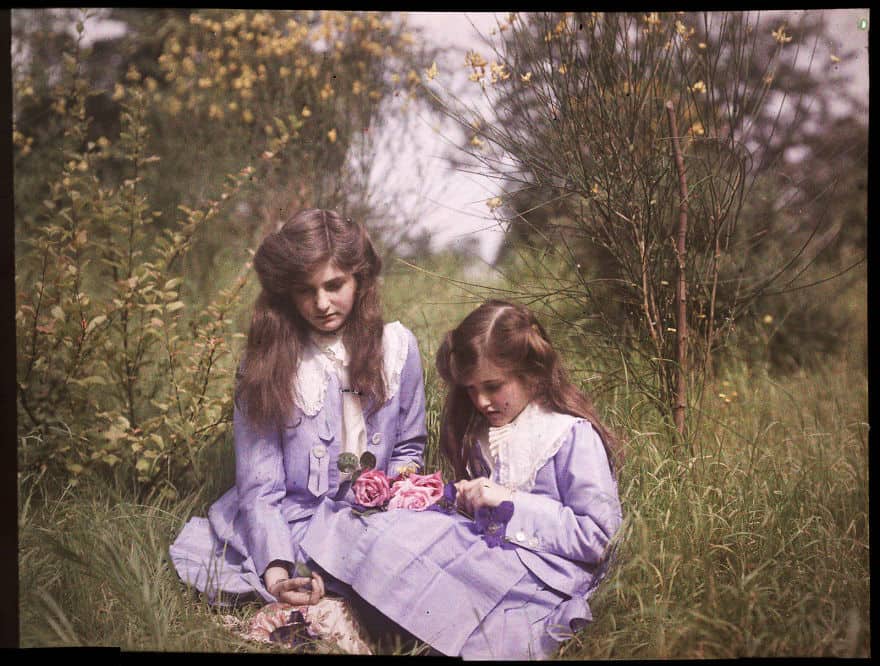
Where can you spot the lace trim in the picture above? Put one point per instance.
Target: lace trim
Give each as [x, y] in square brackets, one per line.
[315, 369]
[522, 447]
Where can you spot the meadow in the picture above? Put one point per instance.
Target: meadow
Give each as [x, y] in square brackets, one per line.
[753, 542]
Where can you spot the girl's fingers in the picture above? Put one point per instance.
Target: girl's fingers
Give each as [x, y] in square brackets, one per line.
[317, 588]
[318, 582]
[298, 598]
[300, 583]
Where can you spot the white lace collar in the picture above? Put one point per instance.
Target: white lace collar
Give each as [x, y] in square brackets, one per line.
[332, 346]
[517, 451]
[316, 367]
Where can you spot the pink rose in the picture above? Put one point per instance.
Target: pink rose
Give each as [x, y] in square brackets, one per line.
[433, 482]
[371, 488]
[407, 495]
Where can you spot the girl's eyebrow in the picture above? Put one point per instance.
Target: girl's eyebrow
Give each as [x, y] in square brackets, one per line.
[487, 381]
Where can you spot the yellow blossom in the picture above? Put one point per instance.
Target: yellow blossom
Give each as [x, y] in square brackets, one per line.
[834, 58]
[247, 116]
[768, 319]
[474, 59]
[215, 112]
[699, 87]
[653, 18]
[697, 128]
[494, 202]
[526, 77]
[780, 36]
[306, 112]
[103, 141]
[232, 106]
[683, 30]
[395, 78]
[326, 91]
[284, 72]
[332, 135]
[205, 82]
[498, 72]
[118, 92]
[268, 129]
[174, 106]
[357, 88]
[151, 83]
[562, 69]
[701, 45]
[431, 72]
[476, 141]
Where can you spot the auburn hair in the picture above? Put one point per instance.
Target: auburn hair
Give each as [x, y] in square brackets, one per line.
[510, 337]
[278, 334]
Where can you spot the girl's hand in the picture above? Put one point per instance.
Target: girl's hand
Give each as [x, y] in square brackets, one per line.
[299, 591]
[471, 495]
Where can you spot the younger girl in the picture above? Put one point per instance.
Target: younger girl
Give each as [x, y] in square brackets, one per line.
[321, 375]
[524, 440]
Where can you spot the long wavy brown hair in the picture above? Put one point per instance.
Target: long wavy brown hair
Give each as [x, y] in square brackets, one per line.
[510, 337]
[278, 334]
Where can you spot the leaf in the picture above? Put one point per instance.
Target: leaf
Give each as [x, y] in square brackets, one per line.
[367, 512]
[93, 379]
[347, 463]
[172, 307]
[368, 460]
[57, 312]
[173, 282]
[95, 322]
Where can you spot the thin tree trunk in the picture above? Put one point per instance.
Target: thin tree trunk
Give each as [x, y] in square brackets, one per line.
[678, 410]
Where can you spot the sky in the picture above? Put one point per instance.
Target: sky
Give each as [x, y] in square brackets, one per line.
[452, 204]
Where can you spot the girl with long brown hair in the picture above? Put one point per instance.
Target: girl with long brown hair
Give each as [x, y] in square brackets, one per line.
[322, 375]
[509, 574]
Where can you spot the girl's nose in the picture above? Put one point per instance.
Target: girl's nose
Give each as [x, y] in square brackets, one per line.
[482, 401]
[322, 301]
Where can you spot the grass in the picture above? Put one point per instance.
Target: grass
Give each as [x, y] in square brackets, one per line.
[753, 543]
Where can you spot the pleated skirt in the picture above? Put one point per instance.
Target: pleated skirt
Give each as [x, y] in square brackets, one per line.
[435, 576]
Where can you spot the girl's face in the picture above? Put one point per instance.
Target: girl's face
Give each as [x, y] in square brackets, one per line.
[325, 300]
[498, 394]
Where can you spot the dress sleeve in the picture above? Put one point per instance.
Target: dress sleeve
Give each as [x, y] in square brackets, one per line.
[261, 486]
[579, 523]
[411, 430]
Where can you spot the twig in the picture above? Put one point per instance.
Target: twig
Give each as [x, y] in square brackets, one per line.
[678, 410]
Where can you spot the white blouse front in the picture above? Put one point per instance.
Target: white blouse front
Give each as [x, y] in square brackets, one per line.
[516, 451]
[354, 429]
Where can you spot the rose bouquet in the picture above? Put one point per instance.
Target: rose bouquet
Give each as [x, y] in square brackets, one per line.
[374, 491]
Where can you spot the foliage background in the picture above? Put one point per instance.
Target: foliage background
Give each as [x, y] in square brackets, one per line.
[148, 166]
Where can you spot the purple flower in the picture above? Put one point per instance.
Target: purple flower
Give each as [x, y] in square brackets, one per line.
[446, 503]
[491, 522]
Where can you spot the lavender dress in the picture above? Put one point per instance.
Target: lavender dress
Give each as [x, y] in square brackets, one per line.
[281, 476]
[437, 577]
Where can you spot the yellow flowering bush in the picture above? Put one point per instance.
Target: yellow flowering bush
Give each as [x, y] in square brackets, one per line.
[127, 331]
